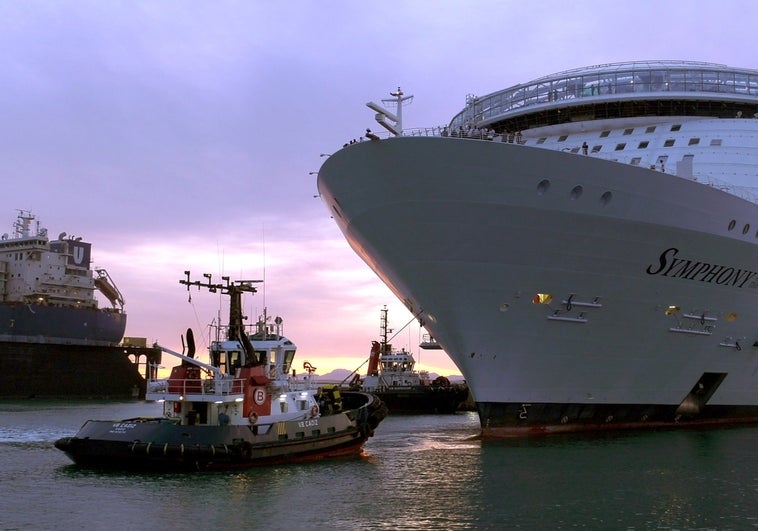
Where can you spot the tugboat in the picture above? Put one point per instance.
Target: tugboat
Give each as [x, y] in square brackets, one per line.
[391, 375]
[244, 408]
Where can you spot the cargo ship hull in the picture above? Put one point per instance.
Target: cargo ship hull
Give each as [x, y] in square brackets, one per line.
[38, 370]
[51, 324]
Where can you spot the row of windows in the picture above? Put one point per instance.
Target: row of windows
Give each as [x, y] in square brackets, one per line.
[627, 132]
[606, 197]
[745, 227]
[670, 142]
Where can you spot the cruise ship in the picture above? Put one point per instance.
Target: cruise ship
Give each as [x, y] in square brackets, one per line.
[584, 246]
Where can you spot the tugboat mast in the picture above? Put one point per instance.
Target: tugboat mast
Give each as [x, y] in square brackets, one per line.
[234, 289]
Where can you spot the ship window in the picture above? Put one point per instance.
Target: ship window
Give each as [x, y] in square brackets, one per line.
[628, 131]
[620, 147]
[606, 198]
[694, 141]
[732, 224]
[604, 134]
[595, 149]
[716, 142]
[643, 144]
[543, 186]
[669, 142]
[541, 140]
[676, 127]
[576, 192]
[746, 228]
[636, 161]
[575, 150]
[650, 129]
[562, 138]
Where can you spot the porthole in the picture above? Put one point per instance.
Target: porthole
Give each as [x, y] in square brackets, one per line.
[606, 198]
[746, 228]
[543, 187]
[576, 192]
[732, 224]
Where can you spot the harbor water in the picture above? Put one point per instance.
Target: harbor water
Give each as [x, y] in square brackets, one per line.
[422, 471]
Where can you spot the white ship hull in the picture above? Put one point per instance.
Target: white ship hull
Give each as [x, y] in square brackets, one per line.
[468, 233]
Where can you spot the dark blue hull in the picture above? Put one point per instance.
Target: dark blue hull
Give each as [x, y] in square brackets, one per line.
[69, 326]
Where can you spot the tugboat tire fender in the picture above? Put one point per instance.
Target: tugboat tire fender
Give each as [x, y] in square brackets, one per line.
[314, 411]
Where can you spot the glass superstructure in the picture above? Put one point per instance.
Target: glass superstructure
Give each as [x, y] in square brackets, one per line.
[642, 81]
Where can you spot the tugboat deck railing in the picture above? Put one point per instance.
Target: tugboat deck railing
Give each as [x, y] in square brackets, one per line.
[195, 389]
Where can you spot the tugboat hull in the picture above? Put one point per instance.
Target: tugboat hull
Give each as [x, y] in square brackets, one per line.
[424, 399]
[159, 443]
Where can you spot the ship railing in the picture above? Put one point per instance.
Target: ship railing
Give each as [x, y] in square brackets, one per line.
[211, 388]
[463, 134]
[744, 192]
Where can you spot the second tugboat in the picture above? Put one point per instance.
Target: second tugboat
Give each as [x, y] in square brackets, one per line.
[242, 409]
[391, 375]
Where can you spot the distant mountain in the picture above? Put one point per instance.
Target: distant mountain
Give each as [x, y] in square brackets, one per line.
[336, 376]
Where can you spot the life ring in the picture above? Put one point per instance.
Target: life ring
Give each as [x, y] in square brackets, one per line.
[314, 411]
[253, 417]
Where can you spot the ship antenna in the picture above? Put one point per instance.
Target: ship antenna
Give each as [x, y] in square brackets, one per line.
[383, 114]
[264, 266]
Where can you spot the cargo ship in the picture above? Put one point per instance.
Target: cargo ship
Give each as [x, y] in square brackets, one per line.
[55, 339]
[584, 246]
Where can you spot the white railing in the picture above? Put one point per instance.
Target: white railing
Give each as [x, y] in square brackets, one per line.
[195, 386]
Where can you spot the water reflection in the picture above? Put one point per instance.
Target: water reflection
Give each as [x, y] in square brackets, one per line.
[417, 472]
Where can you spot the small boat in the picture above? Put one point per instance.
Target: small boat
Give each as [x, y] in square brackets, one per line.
[391, 375]
[246, 407]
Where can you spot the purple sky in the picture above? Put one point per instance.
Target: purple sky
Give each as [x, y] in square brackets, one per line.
[180, 135]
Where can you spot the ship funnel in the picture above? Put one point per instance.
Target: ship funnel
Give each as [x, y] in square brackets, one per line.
[190, 343]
